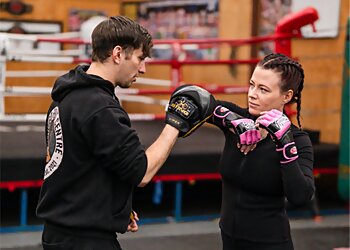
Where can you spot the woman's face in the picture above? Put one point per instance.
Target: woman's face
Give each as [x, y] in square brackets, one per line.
[264, 92]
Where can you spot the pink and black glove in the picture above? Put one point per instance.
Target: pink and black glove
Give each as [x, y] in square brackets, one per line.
[244, 128]
[279, 127]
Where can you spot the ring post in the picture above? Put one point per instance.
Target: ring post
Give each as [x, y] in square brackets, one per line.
[176, 65]
[291, 25]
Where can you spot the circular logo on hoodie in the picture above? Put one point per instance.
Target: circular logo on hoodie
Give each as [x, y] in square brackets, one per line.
[54, 147]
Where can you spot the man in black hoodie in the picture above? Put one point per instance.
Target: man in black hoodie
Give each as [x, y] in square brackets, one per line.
[94, 157]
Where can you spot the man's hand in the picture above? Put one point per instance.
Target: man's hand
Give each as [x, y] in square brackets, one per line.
[133, 227]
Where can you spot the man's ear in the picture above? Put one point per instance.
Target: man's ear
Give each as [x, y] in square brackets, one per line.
[117, 54]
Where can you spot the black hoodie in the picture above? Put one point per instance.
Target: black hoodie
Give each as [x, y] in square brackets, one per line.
[95, 158]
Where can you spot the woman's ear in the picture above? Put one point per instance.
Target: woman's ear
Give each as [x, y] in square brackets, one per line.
[288, 96]
[117, 54]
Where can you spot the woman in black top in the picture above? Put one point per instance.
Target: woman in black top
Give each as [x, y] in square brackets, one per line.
[256, 182]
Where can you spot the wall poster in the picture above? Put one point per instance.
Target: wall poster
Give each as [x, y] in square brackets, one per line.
[182, 19]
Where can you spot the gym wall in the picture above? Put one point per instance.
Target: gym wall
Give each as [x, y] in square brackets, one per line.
[322, 60]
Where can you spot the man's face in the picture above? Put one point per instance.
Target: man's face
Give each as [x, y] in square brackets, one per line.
[131, 66]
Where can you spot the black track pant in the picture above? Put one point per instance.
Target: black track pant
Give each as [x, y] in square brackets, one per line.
[229, 243]
[55, 239]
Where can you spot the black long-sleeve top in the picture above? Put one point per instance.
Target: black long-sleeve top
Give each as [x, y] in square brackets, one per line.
[255, 185]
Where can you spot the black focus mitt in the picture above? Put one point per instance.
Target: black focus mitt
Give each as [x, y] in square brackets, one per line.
[189, 107]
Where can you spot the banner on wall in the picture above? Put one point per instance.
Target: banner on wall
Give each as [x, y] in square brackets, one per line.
[270, 13]
[185, 19]
[79, 16]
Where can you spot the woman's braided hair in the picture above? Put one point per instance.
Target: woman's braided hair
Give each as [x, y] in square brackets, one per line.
[292, 76]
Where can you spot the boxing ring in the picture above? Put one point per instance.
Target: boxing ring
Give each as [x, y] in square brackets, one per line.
[192, 159]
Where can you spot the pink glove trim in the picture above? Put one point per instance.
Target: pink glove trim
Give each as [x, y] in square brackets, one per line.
[269, 117]
[251, 134]
[293, 151]
[288, 161]
[246, 123]
[250, 137]
[223, 109]
[278, 117]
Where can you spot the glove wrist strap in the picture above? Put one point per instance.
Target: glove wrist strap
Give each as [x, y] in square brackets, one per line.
[224, 117]
[288, 152]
